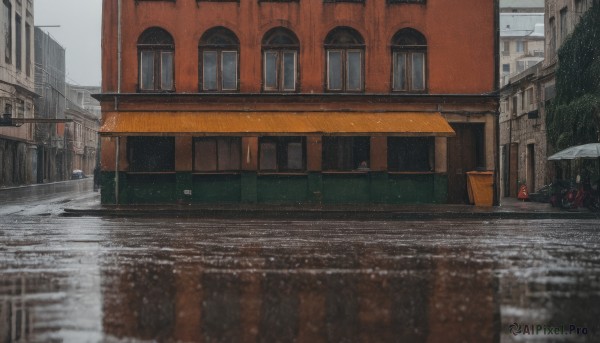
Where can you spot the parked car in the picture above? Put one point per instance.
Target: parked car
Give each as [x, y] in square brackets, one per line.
[78, 174]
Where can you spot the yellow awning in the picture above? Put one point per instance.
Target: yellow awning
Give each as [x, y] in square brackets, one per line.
[275, 123]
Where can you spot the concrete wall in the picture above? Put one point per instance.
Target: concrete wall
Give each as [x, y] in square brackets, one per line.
[19, 163]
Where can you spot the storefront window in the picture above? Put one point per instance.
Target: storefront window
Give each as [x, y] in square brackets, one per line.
[411, 154]
[151, 154]
[346, 153]
[213, 154]
[282, 154]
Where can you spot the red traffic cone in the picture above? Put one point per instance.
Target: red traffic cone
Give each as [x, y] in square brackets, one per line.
[523, 193]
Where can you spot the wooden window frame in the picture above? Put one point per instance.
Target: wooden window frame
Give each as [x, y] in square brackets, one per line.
[279, 67]
[217, 170]
[219, 51]
[344, 69]
[408, 77]
[157, 51]
[281, 144]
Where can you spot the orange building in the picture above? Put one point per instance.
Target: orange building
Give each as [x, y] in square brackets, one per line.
[311, 101]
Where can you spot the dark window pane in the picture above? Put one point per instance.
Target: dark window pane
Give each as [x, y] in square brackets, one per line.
[166, 70]
[28, 49]
[361, 152]
[7, 32]
[270, 70]
[268, 156]
[399, 71]
[289, 71]
[205, 155]
[345, 153]
[418, 71]
[209, 70]
[354, 70]
[151, 154]
[18, 43]
[410, 154]
[229, 153]
[334, 65]
[147, 70]
[295, 159]
[229, 65]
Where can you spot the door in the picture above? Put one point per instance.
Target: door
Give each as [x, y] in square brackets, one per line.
[465, 153]
[514, 169]
[531, 168]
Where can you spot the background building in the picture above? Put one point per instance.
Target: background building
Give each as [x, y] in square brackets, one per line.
[521, 6]
[50, 85]
[18, 156]
[82, 132]
[521, 43]
[295, 102]
[523, 136]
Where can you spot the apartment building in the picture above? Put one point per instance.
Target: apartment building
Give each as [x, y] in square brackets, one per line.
[297, 102]
[18, 151]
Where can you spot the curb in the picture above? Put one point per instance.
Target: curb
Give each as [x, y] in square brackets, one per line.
[319, 214]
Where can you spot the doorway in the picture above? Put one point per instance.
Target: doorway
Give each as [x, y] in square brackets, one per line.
[531, 168]
[466, 152]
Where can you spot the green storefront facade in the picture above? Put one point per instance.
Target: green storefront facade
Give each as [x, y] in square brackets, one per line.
[253, 187]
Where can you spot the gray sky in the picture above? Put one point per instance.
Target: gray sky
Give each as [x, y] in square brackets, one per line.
[79, 34]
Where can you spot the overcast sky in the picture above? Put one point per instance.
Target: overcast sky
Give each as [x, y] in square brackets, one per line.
[79, 34]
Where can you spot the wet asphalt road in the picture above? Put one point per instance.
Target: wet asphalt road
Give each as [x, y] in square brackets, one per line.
[190, 280]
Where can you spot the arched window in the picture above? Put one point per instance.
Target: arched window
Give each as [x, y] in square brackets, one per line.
[280, 60]
[218, 53]
[156, 52]
[409, 56]
[344, 48]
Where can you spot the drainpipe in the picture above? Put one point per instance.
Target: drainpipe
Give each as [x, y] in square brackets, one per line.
[119, 62]
[117, 149]
[497, 170]
[119, 45]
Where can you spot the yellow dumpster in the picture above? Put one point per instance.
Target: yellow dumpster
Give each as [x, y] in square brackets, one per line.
[480, 186]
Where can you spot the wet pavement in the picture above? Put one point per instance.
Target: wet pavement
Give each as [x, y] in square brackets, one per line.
[96, 279]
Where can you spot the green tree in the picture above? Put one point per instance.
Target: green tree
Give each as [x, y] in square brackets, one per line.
[573, 117]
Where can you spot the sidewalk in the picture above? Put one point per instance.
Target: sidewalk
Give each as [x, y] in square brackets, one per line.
[510, 209]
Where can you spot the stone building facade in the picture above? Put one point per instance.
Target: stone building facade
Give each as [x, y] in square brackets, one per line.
[523, 141]
[18, 151]
[82, 133]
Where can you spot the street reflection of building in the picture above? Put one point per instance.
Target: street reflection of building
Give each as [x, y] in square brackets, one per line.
[408, 300]
[18, 155]
[16, 316]
[297, 102]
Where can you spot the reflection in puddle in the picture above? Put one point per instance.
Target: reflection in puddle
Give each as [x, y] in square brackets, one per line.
[409, 300]
[219, 281]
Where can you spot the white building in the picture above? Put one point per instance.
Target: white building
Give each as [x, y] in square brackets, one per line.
[521, 43]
